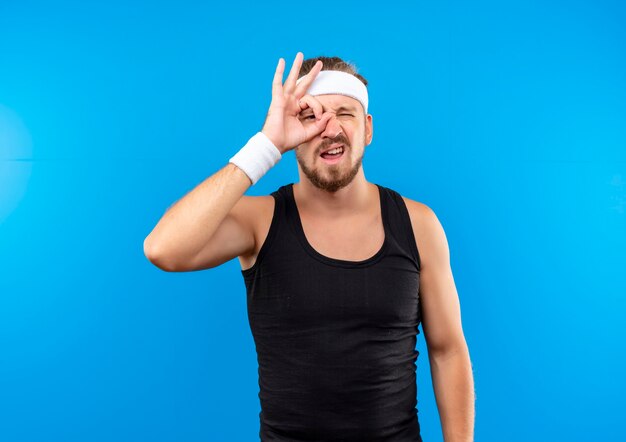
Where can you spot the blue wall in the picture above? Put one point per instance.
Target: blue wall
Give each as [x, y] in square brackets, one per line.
[507, 118]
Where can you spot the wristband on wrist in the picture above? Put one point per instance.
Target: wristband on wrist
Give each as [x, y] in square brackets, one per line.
[257, 157]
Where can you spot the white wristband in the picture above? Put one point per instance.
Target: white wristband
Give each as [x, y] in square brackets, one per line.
[257, 157]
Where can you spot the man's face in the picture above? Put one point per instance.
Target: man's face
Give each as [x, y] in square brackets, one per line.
[348, 126]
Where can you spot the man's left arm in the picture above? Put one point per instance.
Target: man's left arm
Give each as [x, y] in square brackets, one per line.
[450, 364]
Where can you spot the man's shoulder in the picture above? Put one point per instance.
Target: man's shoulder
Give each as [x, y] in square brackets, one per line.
[260, 201]
[418, 211]
[428, 231]
[425, 223]
[254, 208]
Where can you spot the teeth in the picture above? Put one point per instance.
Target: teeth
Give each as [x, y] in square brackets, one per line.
[336, 150]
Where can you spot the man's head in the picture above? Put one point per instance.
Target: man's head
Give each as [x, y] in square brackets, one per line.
[350, 126]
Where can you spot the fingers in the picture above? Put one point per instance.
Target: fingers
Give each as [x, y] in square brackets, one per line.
[312, 102]
[277, 83]
[292, 86]
[311, 130]
[293, 74]
[306, 80]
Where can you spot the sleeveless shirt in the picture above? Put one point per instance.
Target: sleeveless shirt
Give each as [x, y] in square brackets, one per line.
[335, 339]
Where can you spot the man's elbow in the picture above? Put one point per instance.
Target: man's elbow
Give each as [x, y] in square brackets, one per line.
[156, 257]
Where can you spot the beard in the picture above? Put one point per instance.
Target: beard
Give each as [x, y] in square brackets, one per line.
[332, 177]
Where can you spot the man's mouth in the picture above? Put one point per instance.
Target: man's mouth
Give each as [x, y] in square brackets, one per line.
[333, 154]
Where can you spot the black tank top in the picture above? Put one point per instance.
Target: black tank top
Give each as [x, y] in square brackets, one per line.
[335, 339]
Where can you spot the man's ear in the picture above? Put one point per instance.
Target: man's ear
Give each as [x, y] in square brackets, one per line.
[369, 129]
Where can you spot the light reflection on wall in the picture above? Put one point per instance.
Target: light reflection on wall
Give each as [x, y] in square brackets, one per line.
[15, 161]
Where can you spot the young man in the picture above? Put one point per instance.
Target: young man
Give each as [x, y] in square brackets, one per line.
[339, 271]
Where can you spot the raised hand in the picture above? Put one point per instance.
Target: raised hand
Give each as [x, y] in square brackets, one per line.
[282, 124]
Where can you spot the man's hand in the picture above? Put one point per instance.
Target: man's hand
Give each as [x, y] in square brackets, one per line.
[282, 125]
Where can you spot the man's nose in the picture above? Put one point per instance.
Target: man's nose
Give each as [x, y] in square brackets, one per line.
[333, 128]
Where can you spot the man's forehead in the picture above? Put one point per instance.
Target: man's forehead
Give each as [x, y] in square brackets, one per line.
[336, 102]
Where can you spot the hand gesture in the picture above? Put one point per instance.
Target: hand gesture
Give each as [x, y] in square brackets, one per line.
[282, 124]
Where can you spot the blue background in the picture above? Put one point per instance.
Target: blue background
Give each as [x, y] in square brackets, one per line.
[507, 118]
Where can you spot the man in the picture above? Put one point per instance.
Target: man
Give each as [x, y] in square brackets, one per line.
[339, 272]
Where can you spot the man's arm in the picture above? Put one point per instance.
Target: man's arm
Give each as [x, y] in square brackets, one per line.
[212, 223]
[207, 227]
[450, 364]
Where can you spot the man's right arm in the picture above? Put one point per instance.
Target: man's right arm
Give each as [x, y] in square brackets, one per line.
[207, 227]
[213, 223]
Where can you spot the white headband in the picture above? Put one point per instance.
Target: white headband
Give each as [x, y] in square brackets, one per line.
[337, 82]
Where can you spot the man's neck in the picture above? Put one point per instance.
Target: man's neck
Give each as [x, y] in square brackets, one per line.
[356, 197]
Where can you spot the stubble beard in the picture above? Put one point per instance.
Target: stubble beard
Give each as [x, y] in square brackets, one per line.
[331, 177]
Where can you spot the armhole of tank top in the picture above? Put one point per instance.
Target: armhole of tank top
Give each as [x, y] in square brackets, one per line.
[268, 239]
[409, 231]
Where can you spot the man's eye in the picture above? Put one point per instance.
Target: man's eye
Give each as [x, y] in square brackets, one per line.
[313, 116]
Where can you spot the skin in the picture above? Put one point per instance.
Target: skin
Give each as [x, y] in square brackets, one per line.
[344, 126]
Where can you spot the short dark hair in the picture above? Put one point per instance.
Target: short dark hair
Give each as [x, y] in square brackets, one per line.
[331, 64]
